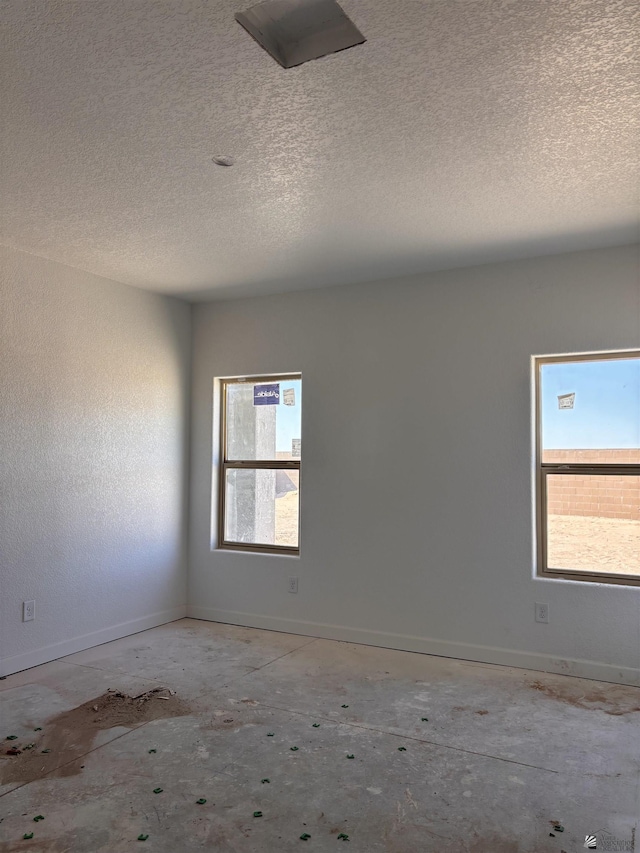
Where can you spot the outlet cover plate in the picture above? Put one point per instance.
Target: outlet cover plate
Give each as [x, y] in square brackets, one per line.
[542, 613]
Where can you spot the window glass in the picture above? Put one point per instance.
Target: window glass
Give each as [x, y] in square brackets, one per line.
[589, 468]
[260, 468]
[264, 420]
[262, 506]
[593, 523]
[591, 411]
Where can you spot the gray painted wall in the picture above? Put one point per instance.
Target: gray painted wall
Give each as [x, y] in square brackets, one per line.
[416, 513]
[94, 387]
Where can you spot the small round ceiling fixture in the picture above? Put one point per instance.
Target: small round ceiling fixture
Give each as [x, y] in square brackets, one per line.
[223, 160]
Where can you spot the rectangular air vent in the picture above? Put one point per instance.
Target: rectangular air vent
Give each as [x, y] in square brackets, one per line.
[295, 31]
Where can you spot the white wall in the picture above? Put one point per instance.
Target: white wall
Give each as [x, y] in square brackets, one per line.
[94, 382]
[417, 460]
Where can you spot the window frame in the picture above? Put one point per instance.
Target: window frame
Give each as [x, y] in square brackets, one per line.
[251, 464]
[545, 469]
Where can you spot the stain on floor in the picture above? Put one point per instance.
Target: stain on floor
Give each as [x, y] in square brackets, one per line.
[612, 699]
[69, 735]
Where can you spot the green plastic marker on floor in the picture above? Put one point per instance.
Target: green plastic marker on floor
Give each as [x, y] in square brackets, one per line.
[305, 836]
[157, 790]
[425, 719]
[344, 706]
[152, 750]
[201, 801]
[558, 828]
[343, 837]
[12, 737]
[39, 817]
[264, 781]
[257, 814]
[402, 749]
[28, 836]
[293, 748]
[350, 756]
[316, 725]
[269, 734]
[39, 729]
[142, 837]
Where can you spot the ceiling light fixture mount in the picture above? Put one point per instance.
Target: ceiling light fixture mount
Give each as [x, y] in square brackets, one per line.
[223, 160]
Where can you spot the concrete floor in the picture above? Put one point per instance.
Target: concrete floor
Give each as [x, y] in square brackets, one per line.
[503, 754]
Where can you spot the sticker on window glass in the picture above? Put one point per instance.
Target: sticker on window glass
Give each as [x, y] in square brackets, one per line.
[566, 401]
[295, 448]
[266, 395]
[289, 396]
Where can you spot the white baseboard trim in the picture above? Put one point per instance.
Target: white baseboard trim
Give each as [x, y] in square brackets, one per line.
[404, 642]
[26, 660]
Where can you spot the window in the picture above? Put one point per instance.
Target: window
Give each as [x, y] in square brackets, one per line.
[588, 467]
[260, 464]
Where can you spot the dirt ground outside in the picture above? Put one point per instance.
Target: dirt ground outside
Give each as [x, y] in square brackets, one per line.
[596, 544]
[287, 508]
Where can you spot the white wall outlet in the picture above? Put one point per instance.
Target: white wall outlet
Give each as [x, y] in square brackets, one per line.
[293, 585]
[542, 612]
[28, 611]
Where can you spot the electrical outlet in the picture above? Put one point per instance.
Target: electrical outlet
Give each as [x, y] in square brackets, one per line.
[293, 584]
[542, 612]
[28, 611]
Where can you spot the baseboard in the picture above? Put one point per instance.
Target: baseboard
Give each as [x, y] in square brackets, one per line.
[425, 645]
[26, 660]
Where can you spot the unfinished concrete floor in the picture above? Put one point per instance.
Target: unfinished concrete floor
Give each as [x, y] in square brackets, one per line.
[447, 756]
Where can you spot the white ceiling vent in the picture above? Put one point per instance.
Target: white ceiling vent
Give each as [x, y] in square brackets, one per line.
[295, 31]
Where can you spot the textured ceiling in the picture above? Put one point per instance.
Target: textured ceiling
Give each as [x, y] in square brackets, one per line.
[463, 131]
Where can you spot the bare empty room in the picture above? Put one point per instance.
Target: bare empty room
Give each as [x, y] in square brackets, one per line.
[319, 426]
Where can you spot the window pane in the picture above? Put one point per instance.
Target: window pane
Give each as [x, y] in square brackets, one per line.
[593, 523]
[591, 411]
[262, 507]
[263, 420]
